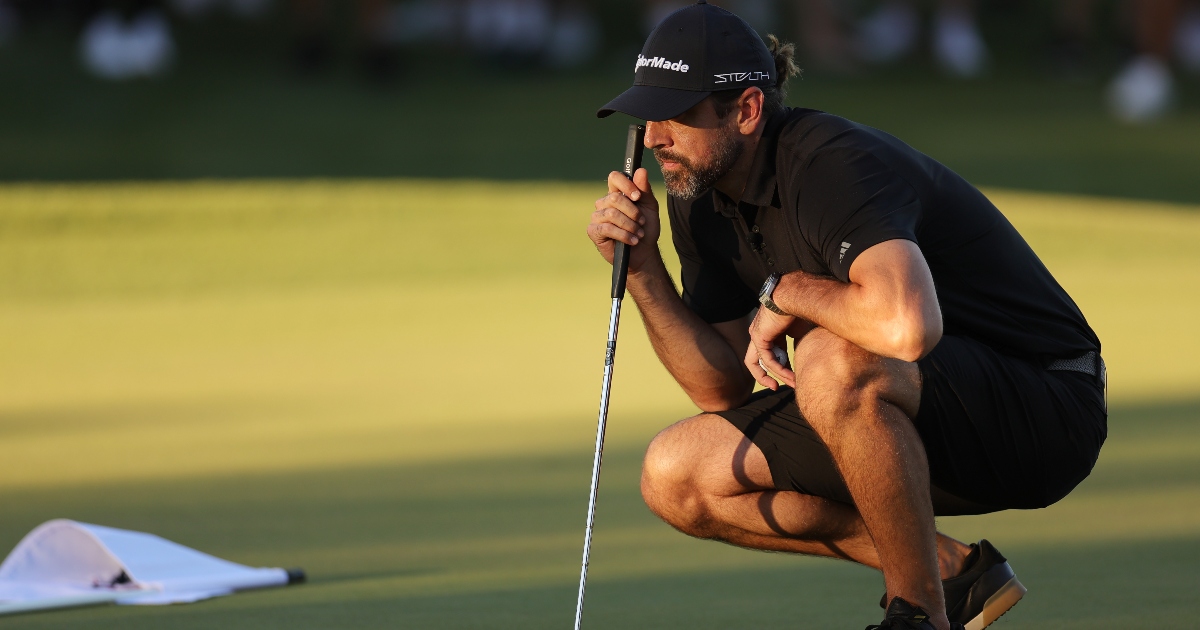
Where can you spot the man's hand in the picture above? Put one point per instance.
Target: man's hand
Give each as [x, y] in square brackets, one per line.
[768, 332]
[629, 214]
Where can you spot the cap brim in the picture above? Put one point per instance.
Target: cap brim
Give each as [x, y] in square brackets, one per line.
[648, 102]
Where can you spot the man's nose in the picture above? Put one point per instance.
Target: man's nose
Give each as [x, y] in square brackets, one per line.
[656, 135]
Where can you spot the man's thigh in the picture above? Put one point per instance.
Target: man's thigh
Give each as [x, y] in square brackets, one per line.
[999, 432]
[797, 458]
[1006, 432]
[706, 453]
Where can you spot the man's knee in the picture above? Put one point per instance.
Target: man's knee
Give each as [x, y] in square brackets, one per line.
[831, 371]
[672, 483]
[836, 378]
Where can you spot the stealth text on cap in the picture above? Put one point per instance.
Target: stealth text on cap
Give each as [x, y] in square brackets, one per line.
[738, 77]
[660, 62]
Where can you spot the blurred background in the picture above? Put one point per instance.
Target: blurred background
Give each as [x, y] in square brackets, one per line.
[306, 283]
[1095, 96]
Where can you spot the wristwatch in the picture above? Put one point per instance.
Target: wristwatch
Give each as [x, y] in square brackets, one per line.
[764, 294]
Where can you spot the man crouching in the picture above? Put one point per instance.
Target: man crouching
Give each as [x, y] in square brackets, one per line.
[939, 368]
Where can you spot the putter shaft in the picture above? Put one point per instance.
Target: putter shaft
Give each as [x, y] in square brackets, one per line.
[633, 161]
[613, 320]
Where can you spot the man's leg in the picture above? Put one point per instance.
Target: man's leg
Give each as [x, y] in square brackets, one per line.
[706, 479]
[861, 406]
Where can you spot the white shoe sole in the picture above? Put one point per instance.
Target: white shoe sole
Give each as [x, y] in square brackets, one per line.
[999, 603]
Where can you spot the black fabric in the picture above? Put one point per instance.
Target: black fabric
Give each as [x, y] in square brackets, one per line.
[697, 49]
[647, 102]
[1005, 431]
[824, 189]
[999, 432]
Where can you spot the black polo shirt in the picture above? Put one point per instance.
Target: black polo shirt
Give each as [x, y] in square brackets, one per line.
[823, 189]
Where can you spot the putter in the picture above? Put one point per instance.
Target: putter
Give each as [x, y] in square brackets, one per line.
[633, 161]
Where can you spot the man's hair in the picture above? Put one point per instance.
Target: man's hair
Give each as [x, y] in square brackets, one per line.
[784, 54]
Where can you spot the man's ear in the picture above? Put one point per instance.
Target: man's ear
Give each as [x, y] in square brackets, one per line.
[750, 110]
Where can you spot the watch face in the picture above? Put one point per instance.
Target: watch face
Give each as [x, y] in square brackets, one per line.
[768, 287]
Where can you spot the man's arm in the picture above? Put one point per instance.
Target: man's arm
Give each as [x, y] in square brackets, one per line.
[700, 356]
[889, 307]
[703, 358]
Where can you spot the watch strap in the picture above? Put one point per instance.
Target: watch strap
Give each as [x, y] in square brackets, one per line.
[765, 295]
[771, 306]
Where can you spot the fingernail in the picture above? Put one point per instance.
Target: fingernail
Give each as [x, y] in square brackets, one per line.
[636, 195]
[642, 220]
[635, 240]
[641, 232]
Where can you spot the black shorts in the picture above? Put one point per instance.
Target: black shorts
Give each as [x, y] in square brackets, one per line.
[999, 432]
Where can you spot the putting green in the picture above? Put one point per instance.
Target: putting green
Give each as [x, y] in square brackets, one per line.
[393, 384]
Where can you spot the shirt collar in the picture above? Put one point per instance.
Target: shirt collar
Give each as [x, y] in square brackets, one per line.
[761, 189]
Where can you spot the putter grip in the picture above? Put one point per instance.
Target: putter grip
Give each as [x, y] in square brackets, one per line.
[633, 161]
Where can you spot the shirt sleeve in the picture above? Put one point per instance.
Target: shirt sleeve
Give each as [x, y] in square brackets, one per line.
[711, 286]
[847, 201]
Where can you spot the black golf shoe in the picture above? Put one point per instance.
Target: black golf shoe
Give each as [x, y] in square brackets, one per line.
[986, 589]
[902, 615]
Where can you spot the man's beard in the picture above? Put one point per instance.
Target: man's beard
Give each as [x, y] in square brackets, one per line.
[691, 179]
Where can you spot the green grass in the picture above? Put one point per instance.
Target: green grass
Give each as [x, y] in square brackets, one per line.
[232, 109]
[393, 384]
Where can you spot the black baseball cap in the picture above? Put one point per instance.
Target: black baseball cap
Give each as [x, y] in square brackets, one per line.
[692, 53]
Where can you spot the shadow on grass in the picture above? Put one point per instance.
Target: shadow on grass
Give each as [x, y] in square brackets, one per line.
[1143, 585]
[495, 544]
